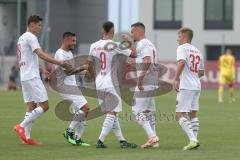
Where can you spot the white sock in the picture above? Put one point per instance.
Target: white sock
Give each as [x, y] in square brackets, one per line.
[195, 126]
[107, 126]
[28, 127]
[80, 129]
[152, 121]
[72, 126]
[117, 130]
[148, 129]
[187, 128]
[34, 115]
[143, 120]
[77, 118]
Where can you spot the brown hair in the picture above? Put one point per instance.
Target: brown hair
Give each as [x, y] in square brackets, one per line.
[186, 31]
[35, 19]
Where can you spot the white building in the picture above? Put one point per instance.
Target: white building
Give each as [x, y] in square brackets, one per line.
[215, 23]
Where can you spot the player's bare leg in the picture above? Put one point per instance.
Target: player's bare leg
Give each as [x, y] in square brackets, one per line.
[231, 93]
[220, 93]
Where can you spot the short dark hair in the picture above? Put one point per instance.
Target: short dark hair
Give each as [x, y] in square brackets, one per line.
[34, 18]
[68, 34]
[107, 26]
[139, 24]
[186, 31]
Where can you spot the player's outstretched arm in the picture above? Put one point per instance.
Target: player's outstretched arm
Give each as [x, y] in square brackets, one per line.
[43, 55]
[79, 69]
[90, 74]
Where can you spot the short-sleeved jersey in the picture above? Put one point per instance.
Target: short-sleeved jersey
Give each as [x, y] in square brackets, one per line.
[66, 55]
[227, 64]
[104, 61]
[194, 62]
[145, 48]
[28, 60]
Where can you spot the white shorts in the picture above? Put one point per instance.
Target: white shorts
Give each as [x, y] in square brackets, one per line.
[34, 91]
[145, 103]
[109, 100]
[187, 100]
[77, 101]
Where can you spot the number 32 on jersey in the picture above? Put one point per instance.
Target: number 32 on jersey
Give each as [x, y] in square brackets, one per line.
[195, 61]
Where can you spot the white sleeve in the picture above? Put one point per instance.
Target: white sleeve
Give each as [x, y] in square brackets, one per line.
[147, 51]
[34, 44]
[181, 54]
[126, 52]
[201, 67]
[59, 56]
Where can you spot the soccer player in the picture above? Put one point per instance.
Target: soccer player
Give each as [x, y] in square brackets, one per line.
[79, 103]
[34, 92]
[104, 84]
[144, 107]
[187, 83]
[227, 75]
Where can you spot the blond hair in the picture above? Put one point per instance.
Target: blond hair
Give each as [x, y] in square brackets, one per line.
[186, 31]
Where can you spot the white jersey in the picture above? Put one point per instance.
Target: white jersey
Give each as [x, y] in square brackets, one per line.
[194, 62]
[66, 55]
[28, 60]
[146, 48]
[106, 66]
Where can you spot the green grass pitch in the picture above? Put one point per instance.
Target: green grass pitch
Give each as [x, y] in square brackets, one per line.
[219, 133]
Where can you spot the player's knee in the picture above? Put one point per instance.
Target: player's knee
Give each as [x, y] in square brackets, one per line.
[45, 108]
[231, 85]
[85, 109]
[31, 108]
[112, 113]
[193, 114]
[179, 115]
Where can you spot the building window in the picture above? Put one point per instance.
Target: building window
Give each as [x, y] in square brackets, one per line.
[167, 14]
[215, 51]
[218, 14]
